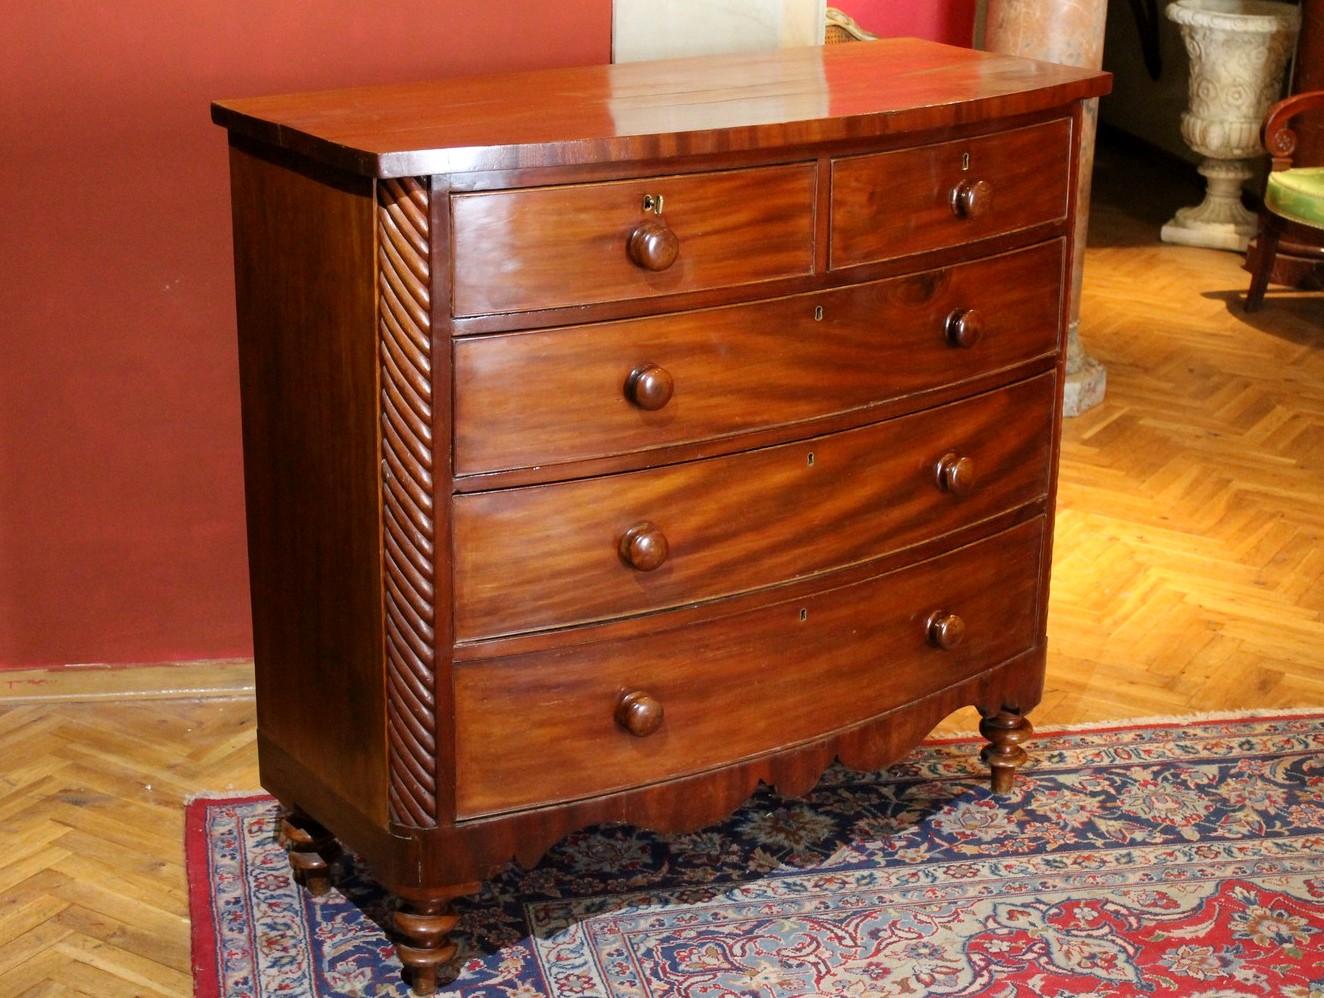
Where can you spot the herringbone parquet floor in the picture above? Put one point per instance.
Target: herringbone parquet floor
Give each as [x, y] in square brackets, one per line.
[1189, 576]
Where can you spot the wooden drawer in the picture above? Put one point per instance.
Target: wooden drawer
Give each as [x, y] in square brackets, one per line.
[549, 246]
[551, 555]
[535, 399]
[541, 728]
[890, 204]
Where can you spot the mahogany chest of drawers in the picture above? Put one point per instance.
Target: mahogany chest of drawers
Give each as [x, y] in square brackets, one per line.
[618, 438]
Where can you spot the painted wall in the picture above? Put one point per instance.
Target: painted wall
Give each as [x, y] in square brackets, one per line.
[950, 21]
[121, 503]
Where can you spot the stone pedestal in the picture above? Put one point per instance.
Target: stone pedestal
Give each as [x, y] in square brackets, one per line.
[1087, 379]
[1071, 32]
[1239, 50]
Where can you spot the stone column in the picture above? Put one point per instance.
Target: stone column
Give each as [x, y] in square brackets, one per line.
[1069, 32]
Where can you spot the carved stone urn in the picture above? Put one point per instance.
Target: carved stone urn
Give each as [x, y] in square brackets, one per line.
[1239, 50]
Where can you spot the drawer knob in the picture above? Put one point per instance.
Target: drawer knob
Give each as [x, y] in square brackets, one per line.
[965, 326]
[644, 547]
[649, 387]
[945, 630]
[972, 198]
[955, 474]
[653, 245]
[639, 714]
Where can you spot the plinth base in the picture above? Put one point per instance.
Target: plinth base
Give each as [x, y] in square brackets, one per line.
[1210, 235]
[1085, 388]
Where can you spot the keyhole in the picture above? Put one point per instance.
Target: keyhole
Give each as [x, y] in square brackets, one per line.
[810, 458]
[804, 615]
[818, 313]
[965, 161]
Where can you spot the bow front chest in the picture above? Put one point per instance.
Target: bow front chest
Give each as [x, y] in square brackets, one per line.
[618, 438]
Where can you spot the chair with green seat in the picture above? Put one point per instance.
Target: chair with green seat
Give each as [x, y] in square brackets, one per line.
[1291, 194]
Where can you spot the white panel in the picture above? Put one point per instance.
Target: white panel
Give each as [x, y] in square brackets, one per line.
[668, 29]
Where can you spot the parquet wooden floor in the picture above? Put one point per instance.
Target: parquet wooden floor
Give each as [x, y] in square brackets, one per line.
[1189, 576]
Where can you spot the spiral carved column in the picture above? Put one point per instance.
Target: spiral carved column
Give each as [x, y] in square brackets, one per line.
[408, 517]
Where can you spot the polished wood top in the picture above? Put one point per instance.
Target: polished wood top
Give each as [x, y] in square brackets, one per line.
[637, 111]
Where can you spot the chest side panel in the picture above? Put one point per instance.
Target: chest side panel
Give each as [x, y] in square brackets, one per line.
[304, 270]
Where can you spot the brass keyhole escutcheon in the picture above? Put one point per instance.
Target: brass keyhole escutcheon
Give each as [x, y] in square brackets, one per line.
[653, 203]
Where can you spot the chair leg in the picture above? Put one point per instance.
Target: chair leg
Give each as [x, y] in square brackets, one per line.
[1271, 228]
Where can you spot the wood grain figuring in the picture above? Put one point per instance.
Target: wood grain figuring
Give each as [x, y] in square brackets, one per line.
[543, 727]
[568, 245]
[894, 203]
[823, 280]
[559, 396]
[547, 556]
[408, 498]
[507, 646]
[308, 371]
[649, 110]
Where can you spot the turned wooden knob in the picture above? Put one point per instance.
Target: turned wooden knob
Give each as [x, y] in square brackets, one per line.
[652, 245]
[644, 546]
[964, 327]
[639, 714]
[972, 198]
[649, 386]
[955, 474]
[945, 630]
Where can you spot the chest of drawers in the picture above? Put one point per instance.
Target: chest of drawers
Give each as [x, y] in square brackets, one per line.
[618, 438]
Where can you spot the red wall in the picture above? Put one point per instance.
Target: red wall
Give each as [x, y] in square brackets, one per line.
[951, 21]
[121, 504]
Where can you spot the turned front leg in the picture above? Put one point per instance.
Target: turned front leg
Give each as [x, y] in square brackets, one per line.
[1007, 731]
[312, 851]
[423, 924]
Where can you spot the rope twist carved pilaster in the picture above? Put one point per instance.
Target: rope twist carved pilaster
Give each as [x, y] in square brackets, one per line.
[408, 518]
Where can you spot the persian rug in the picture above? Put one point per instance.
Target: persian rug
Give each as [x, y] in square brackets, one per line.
[1170, 859]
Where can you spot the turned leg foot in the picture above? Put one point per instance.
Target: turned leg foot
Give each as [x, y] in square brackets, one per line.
[1006, 731]
[312, 850]
[423, 925]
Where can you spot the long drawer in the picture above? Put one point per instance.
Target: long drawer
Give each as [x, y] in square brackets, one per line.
[557, 725]
[555, 555]
[583, 243]
[890, 204]
[561, 395]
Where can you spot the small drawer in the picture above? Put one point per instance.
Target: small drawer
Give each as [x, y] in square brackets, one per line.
[543, 398]
[892, 204]
[549, 556]
[559, 725]
[579, 244]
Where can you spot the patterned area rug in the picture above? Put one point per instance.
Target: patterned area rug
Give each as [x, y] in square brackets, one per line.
[1160, 859]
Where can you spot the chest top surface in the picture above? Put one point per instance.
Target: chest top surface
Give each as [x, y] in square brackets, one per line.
[633, 111]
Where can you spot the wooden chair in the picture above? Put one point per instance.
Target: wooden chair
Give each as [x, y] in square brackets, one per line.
[1291, 194]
